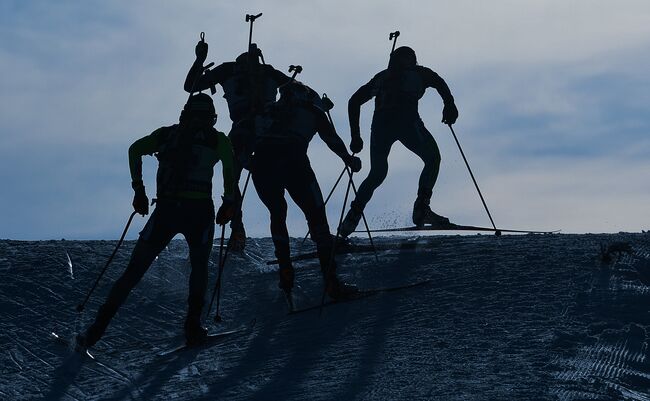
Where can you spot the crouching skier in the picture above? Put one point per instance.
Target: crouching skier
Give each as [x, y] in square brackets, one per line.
[397, 91]
[187, 153]
[247, 86]
[280, 163]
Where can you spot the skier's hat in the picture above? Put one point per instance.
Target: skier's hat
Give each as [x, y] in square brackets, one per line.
[402, 57]
[200, 104]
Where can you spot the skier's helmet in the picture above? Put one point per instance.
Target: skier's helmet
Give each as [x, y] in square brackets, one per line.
[255, 54]
[296, 91]
[402, 57]
[199, 106]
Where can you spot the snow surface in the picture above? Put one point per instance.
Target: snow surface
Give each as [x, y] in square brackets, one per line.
[513, 317]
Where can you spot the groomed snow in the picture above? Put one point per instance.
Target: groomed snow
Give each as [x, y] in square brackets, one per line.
[514, 317]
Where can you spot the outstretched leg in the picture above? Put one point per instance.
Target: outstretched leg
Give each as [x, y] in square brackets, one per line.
[241, 136]
[154, 237]
[305, 191]
[268, 183]
[380, 145]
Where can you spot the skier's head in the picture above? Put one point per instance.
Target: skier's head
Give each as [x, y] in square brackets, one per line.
[199, 111]
[253, 55]
[403, 57]
[296, 91]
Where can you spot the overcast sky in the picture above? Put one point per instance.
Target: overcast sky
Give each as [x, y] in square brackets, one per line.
[554, 101]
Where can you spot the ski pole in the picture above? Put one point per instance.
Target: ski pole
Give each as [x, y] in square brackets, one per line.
[393, 36]
[497, 232]
[251, 18]
[222, 263]
[363, 216]
[82, 305]
[328, 198]
[219, 269]
[354, 187]
[336, 239]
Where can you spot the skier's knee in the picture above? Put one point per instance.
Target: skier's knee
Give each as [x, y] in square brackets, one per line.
[320, 234]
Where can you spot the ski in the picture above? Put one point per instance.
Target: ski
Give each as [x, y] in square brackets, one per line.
[346, 248]
[64, 341]
[87, 355]
[362, 294]
[211, 340]
[458, 227]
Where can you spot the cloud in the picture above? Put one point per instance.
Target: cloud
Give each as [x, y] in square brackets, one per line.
[553, 99]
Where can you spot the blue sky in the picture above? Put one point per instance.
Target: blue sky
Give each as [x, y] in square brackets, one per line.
[553, 101]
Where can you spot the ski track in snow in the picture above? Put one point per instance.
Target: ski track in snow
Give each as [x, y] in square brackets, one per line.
[511, 317]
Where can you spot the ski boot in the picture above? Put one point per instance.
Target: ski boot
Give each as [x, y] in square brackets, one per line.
[422, 214]
[237, 240]
[351, 220]
[339, 291]
[195, 334]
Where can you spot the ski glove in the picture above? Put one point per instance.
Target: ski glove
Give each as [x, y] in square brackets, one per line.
[327, 103]
[140, 201]
[201, 51]
[449, 114]
[356, 144]
[226, 212]
[354, 163]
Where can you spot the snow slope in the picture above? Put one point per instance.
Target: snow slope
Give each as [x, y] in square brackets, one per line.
[511, 317]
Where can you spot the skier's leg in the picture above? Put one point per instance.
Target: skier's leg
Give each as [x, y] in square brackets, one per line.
[241, 137]
[153, 238]
[420, 141]
[199, 234]
[381, 142]
[237, 240]
[270, 189]
[380, 146]
[305, 191]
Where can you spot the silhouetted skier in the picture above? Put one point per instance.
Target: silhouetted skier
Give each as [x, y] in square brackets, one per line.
[397, 91]
[187, 153]
[280, 163]
[247, 85]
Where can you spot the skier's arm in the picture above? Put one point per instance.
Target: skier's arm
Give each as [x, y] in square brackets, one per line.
[361, 96]
[204, 80]
[279, 77]
[330, 137]
[225, 151]
[433, 80]
[334, 142]
[143, 146]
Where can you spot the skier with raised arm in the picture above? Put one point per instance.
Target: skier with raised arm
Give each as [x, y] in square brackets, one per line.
[248, 84]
